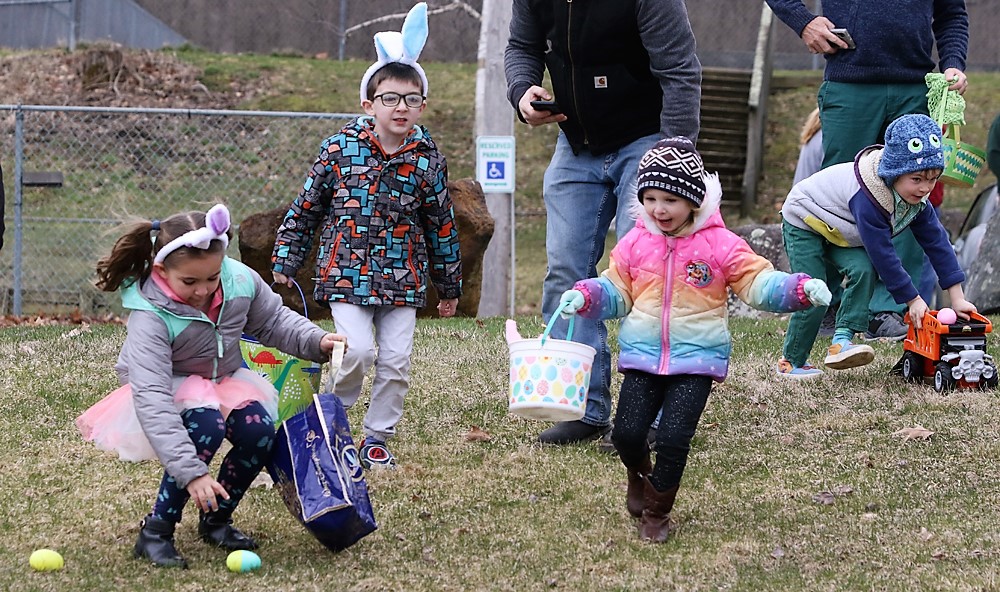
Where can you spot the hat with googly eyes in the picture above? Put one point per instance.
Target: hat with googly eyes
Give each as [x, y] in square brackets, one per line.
[912, 144]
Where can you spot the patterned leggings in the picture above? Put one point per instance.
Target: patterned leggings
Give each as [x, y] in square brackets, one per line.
[251, 432]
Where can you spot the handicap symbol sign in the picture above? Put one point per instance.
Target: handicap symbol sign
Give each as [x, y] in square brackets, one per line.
[495, 163]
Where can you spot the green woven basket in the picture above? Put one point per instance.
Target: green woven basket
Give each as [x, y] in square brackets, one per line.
[962, 161]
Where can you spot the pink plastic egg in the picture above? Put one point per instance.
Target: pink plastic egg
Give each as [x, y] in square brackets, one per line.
[947, 316]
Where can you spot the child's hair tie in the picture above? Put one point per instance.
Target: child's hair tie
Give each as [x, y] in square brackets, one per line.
[155, 226]
[216, 226]
[403, 47]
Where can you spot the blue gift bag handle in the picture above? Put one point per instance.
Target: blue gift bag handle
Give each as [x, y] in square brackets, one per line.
[552, 323]
[305, 309]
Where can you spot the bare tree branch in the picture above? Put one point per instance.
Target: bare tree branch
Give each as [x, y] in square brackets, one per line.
[455, 5]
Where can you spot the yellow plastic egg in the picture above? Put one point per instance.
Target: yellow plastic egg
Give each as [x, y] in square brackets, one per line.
[46, 560]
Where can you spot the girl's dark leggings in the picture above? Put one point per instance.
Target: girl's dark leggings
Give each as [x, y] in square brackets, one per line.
[251, 432]
[682, 399]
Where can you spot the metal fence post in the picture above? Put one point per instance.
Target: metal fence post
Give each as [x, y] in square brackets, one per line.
[18, 201]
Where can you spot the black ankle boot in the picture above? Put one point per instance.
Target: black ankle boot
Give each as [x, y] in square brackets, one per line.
[571, 432]
[217, 529]
[156, 543]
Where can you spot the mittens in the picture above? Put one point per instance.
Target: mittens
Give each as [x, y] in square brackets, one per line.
[816, 291]
[570, 302]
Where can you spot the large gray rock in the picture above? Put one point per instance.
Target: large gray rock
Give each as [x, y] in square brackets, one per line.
[766, 241]
[951, 219]
[982, 286]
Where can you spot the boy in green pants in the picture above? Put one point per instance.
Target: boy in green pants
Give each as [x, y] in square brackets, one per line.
[846, 216]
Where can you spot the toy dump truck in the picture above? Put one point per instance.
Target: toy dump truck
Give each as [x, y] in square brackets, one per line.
[953, 356]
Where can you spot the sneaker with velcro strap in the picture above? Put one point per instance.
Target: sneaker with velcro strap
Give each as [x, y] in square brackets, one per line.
[806, 371]
[374, 454]
[844, 354]
[886, 325]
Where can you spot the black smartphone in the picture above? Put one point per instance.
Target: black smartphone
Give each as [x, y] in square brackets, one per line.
[550, 106]
[844, 36]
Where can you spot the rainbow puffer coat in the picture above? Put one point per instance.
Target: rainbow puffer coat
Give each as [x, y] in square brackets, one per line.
[672, 291]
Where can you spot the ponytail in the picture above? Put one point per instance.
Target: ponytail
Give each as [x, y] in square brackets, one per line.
[131, 258]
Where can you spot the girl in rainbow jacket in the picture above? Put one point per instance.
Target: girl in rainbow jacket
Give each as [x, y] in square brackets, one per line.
[670, 278]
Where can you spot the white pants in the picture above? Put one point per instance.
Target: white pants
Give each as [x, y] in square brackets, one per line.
[383, 336]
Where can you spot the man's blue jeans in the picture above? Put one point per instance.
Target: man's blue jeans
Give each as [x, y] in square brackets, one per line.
[583, 193]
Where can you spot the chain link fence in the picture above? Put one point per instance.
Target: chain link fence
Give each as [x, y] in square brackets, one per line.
[74, 174]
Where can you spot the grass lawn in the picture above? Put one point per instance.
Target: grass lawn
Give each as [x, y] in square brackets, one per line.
[789, 486]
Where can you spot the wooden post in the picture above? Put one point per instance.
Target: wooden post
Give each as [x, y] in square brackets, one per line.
[760, 89]
[495, 117]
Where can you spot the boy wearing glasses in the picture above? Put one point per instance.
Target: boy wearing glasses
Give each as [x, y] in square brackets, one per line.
[377, 199]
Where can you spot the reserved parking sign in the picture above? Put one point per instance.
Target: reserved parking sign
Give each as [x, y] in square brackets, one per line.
[495, 163]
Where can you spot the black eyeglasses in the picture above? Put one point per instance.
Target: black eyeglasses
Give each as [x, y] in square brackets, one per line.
[391, 99]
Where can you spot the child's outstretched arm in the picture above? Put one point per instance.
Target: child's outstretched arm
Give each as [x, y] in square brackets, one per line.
[756, 282]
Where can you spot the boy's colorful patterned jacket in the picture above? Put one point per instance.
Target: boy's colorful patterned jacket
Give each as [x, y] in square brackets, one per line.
[384, 222]
[672, 291]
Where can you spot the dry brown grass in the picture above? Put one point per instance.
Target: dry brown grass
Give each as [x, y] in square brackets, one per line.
[789, 486]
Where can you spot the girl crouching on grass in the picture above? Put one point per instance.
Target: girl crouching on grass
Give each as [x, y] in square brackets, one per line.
[184, 387]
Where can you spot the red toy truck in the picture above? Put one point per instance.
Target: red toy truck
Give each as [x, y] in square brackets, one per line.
[953, 355]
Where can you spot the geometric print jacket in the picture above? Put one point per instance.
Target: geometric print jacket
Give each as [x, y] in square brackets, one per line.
[385, 223]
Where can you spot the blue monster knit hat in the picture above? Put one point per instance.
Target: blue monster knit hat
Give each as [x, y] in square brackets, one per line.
[912, 143]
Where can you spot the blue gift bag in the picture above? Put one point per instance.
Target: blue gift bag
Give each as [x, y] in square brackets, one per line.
[315, 468]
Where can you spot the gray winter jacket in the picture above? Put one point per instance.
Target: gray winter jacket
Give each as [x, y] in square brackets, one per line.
[168, 341]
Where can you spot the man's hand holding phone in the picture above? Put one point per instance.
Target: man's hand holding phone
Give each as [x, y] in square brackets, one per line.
[822, 36]
[844, 36]
[538, 107]
[550, 106]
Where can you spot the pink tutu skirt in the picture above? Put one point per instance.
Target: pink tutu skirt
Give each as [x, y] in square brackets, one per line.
[112, 425]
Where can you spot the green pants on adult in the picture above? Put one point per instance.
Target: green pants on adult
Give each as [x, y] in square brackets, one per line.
[812, 254]
[855, 116]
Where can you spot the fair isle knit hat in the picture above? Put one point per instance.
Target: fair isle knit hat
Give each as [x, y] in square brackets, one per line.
[912, 143]
[674, 166]
[403, 47]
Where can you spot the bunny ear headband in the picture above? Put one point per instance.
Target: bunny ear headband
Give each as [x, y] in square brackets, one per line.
[403, 47]
[215, 228]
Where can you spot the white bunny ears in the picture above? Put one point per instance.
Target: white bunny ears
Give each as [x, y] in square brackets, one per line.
[403, 47]
[216, 226]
